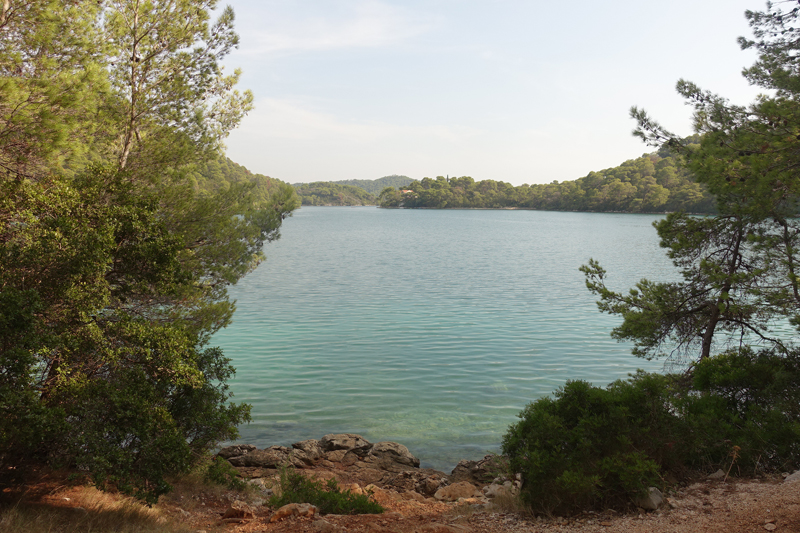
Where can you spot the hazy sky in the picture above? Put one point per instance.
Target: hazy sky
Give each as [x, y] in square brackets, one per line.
[523, 91]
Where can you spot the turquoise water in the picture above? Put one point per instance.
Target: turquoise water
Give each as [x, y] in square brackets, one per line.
[433, 328]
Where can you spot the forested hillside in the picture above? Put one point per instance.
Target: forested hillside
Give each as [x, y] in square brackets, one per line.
[327, 193]
[652, 183]
[374, 187]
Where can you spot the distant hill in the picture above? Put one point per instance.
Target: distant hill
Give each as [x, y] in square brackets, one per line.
[375, 187]
[328, 193]
[653, 183]
[347, 192]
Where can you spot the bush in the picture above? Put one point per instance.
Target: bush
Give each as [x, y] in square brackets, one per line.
[593, 448]
[581, 450]
[327, 497]
[221, 472]
[749, 400]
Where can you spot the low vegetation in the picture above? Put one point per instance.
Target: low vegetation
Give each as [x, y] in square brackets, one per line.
[328, 497]
[595, 448]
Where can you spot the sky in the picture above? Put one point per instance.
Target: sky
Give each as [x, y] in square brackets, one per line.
[522, 91]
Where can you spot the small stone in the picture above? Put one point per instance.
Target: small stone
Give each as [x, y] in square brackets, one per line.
[652, 500]
[719, 474]
[770, 527]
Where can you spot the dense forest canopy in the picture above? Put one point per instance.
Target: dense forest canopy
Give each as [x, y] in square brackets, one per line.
[374, 187]
[328, 193]
[347, 192]
[121, 227]
[653, 183]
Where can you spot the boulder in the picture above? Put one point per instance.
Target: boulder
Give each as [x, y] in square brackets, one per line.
[235, 451]
[652, 500]
[425, 481]
[293, 509]
[451, 493]
[310, 448]
[792, 478]
[272, 457]
[392, 457]
[238, 509]
[479, 472]
[343, 441]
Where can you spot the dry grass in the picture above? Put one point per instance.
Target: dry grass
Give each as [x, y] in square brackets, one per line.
[85, 509]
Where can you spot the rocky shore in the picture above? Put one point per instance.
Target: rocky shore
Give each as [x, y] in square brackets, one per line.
[475, 496]
[353, 460]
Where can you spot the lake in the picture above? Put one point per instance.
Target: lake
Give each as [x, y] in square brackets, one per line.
[432, 328]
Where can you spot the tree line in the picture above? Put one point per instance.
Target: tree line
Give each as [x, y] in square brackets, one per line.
[121, 227]
[653, 183]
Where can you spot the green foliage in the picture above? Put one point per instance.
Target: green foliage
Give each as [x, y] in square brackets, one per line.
[582, 450]
[327, 193]
[327, 497]
[593, 448]
[374, 187]
[750, 400]
[652, 183]
[221, 472]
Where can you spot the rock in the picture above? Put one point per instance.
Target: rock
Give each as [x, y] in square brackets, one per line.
[425, 481]
[343, 441]
[367, 474]
[349, 459]
[293, 509]
[354, 488]
[336, 456]
[272, 457]
[652, 500]
[235, 451]
[238, 509]
[494, 490]
[462, 489]
[261, 486]
[413, 495]
[792, 478]
[392, 457]
[310, 447]
[442, 528]
[323, 526]
[479, 472]
[719, 474]
[770, 527]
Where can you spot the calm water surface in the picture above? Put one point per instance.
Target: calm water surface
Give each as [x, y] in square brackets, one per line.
[433, 328]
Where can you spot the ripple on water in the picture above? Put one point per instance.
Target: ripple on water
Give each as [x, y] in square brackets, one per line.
[431, 328]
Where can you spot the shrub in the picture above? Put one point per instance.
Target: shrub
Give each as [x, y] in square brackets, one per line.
[581, 449]
[221, 472]
[750, 400]
[591, 447]
[327, 497]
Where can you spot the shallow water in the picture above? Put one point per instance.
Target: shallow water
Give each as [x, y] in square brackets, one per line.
[433, 328]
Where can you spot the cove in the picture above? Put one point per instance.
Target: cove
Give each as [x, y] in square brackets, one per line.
[432, 328]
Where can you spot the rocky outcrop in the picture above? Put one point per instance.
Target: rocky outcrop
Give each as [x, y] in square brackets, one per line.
[480, 472]
[354, 460]
[386, 464]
